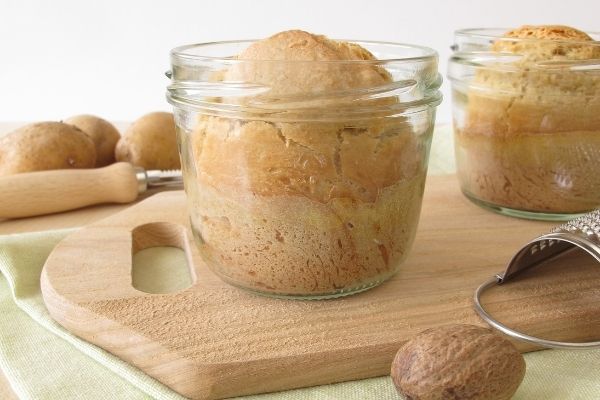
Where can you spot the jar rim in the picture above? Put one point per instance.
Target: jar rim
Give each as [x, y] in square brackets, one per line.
[196, 83]
[181, 53]
[493, 34]
[472, 52]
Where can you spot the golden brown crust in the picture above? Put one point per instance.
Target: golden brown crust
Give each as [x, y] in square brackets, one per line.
[297, 45]
[505, 115]
[549, 32]
[543, 43]
[320, 160]
[295, 77]
[530, 83]
[548, 42]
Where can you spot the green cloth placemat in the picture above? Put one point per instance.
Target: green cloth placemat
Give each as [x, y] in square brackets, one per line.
[43, 361]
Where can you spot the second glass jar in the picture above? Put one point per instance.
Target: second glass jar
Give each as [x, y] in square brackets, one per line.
[527, 123]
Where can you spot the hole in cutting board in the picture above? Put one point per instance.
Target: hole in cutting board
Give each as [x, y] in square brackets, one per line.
[160, 261]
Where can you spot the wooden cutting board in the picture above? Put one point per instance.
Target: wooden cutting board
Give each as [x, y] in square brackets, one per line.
[212, 341]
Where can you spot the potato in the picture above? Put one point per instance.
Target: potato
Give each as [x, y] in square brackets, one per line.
[43, 146]
[104, 135]
[150, 142]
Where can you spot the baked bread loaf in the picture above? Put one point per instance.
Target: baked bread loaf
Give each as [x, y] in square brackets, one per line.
[293, 75]
[291, 206]
[532, 127]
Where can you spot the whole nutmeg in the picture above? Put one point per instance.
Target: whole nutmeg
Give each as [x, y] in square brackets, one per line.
[458, 362]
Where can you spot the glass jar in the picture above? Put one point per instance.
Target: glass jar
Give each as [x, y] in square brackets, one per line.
[310, 192]
[527, 123]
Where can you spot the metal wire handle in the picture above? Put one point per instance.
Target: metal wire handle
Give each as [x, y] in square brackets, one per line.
[519, 335]
[582, 233]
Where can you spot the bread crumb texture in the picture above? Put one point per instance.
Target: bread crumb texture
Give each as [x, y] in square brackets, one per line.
[301, 208]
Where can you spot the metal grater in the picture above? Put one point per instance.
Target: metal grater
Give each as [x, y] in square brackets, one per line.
[582, 232]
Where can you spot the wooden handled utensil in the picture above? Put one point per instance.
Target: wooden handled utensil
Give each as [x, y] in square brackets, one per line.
[46, 192]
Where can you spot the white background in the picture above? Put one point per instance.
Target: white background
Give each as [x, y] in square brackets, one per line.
[59, 58]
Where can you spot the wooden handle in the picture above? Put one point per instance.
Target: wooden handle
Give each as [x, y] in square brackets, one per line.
[46, 192]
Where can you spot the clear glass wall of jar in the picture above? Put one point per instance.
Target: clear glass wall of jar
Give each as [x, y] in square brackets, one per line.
[527, 123]
[311, 192]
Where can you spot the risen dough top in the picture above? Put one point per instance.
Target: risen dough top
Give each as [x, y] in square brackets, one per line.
[318, 160]
[552, 85]
[550, 43]
[296, 75]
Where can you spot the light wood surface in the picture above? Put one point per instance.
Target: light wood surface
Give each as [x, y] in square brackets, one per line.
[71, 219]
[47, 192]
[213, 341]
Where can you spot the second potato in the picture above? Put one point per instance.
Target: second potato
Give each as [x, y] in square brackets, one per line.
[150, 143]
[104, 135]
